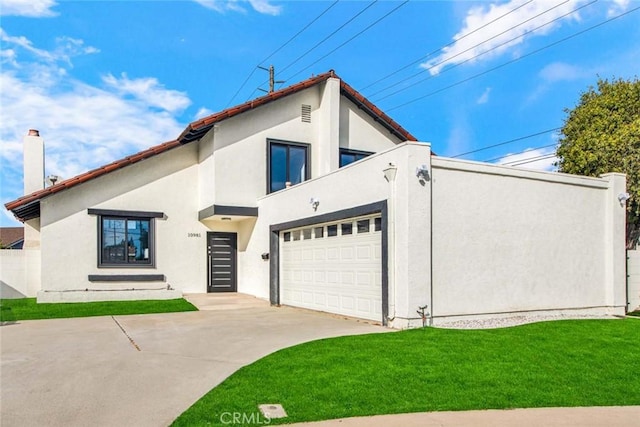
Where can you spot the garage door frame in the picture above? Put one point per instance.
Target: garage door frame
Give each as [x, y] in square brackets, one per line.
[369, 209]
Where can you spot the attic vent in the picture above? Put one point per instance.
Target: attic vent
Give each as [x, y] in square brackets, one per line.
[306, 113]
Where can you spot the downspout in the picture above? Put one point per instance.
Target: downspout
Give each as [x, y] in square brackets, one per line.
[390, 175]
[431, 243]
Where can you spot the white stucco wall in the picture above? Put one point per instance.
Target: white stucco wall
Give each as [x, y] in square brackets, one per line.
[19, 273]
[633, 280]
[227, 167]
[357, 131]
[233, 155]
[508, 240]
[359, 184]
[166, 183]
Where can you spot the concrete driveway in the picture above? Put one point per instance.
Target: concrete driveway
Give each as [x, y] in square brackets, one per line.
[143, 370]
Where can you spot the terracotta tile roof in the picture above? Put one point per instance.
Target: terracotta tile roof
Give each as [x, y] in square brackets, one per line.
[21, 206]
[377, 114]
[200, 127]
[10, 235]
[28, 206]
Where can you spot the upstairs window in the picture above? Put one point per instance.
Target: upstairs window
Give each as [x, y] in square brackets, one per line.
[349, 156]
[288, 163]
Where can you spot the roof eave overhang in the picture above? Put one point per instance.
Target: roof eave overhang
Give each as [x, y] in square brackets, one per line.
[28, 211]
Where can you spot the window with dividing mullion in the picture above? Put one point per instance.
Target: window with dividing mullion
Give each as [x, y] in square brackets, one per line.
[288, 162]
[125, 241]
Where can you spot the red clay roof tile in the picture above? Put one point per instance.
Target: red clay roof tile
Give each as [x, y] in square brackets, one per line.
[198, 128]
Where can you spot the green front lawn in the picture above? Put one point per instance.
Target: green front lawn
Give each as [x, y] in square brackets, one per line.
[550, 364]
[27, 308]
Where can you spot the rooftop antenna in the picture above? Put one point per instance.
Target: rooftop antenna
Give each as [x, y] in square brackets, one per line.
[272, 78]
[52, 179]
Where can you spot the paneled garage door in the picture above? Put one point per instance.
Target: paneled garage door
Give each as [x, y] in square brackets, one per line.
[334, 267]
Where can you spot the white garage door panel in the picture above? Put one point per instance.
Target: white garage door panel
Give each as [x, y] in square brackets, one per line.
[337, 274]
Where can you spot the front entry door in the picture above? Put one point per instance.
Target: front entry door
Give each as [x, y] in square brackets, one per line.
[222, 251]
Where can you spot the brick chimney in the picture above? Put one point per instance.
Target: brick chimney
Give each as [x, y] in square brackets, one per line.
[33, 151]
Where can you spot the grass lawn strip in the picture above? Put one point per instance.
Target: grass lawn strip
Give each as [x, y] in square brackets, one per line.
[27, 308]
[549, 364]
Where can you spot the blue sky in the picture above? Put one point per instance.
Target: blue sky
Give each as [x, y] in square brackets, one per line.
[105, 79]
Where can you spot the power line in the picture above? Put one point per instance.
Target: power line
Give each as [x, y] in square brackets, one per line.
[351, 39]
[514, 60]
[299, 32]
[329, 36]
[506, 142]
[522, 152]
[279, 49]
[529, 160]
[481, 53]
[422, 58]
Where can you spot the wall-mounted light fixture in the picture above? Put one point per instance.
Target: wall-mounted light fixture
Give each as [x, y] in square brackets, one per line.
[390, 172]
[422, 172]
[265, 256]
[314, 203]
[623, 197]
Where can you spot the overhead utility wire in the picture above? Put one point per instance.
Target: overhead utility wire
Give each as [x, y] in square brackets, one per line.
[351, 39]
[529, 160]
[300, 32]
[506, 142]
[422, 58]
[424, 70]
[480, 54]
[528, 150]
[514, 60]
[329, 36]
[279, 49]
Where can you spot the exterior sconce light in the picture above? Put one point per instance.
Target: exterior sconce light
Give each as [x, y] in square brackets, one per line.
[422, 173]
[623, 197]
[265, 256]
[390, 172]
[314, 203]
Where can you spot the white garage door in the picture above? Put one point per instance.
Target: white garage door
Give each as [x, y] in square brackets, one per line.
[334, 267]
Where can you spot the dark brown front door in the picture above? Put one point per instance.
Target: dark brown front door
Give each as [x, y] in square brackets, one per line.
[222, 249]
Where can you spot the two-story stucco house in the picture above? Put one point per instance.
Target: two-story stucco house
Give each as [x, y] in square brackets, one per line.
[313, 197]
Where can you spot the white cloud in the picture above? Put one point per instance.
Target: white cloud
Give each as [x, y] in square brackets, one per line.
[617, 7]
[264, 6]
[28, 8]
[202, 112]
[149, 91]
[542, 159]
[499, 37]
[560, 71]
[84, 126]
[66, 48]
[260, 6]
[484, 98]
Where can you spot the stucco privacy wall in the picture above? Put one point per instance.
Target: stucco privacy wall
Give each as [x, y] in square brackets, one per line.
[164, 183]
[358, 184]
[19, 273]
[508, 240]
[633, 280]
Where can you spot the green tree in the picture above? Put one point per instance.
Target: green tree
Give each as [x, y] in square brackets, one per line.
[602, 134]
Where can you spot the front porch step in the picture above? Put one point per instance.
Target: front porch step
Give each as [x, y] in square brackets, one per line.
[224, 301]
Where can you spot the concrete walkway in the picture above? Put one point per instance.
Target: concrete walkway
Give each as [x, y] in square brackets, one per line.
[614, 416]
[143, 370]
